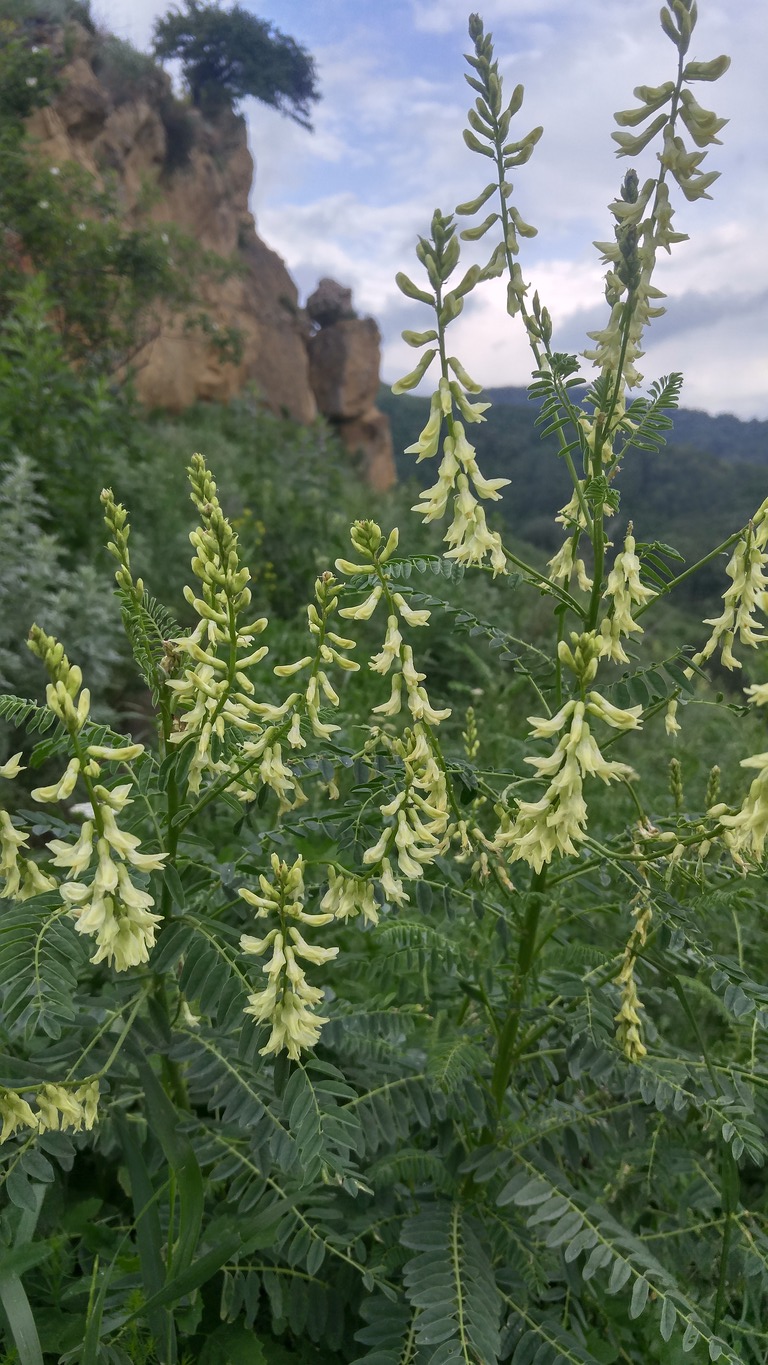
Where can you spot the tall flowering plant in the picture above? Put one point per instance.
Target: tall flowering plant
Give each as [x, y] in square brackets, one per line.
[372, 1041]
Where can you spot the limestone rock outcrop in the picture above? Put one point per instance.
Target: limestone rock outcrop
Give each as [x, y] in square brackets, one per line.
[127, 135]
[344, 361]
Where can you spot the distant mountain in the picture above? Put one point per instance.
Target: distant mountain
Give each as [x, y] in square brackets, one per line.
[726, 436]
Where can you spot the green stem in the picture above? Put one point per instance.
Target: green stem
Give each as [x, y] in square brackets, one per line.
[171, 839]
[525, 959]
[173, 1075]
[546, 584]
[722, 1278]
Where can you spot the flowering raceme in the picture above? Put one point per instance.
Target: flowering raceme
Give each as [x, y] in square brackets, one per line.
[557, 822]
[747, 594]
[60, 1108]
[287, 1002]
[419, 816]
[216, 689]
[395, 656]
[468, 537]
[99, 887]
[624, 591]
[746, 830]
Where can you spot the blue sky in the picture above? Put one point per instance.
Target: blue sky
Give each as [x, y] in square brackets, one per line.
[349, 199]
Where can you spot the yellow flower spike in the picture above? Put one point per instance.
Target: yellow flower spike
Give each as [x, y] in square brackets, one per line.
[287, 1002]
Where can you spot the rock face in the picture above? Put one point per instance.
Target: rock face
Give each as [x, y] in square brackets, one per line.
[203, 191]
[344, 358]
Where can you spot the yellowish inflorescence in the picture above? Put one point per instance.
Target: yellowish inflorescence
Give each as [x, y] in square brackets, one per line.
[287, 1002]
[556, 823]
[100, 884]
[59, 1108]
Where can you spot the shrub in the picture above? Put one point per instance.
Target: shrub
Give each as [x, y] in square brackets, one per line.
[125, 72]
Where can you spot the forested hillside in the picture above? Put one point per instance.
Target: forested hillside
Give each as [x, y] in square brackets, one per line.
[708, 478]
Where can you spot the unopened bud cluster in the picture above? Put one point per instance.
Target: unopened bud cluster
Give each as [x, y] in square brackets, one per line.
[643, 213]
[628, 1019]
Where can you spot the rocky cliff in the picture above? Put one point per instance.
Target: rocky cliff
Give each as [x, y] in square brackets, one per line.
[198, 177]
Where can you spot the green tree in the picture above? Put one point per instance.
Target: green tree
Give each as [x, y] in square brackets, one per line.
[228, 54]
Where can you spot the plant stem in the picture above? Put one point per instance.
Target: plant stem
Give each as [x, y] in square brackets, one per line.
[525, 959]
[674, 582]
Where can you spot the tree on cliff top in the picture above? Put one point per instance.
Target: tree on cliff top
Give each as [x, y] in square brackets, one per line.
[228, 54]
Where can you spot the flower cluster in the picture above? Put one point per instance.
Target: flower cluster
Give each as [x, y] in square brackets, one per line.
[330, 648]
[394, 653]
[59, 1108]
[566, 561]
[747, 594]
[215, 689]
[744, 832]
[557, 822]
[625, 590]
[109, 906]
[348, 896]
[468, 537]
[418, 818]
[287, 1002]
[23, 877]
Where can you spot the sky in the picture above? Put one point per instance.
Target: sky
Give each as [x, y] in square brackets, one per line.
[349, 199]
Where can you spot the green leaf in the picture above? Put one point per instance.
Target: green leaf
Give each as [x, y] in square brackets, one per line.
[668, 1319]
[149, 1239]
[639, 1299]
[230, 1344]
[20, 1319]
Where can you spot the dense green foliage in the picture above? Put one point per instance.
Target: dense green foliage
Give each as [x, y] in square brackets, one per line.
[228, 54]
[529, 1126]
